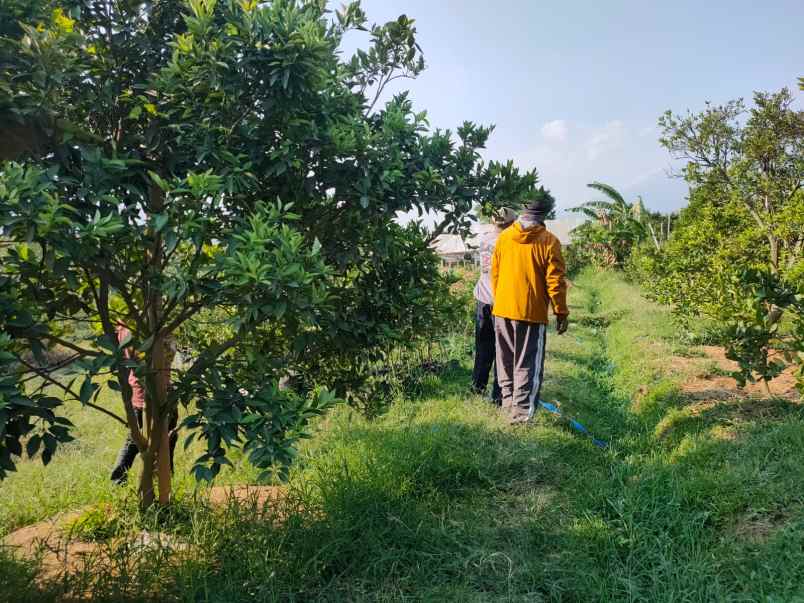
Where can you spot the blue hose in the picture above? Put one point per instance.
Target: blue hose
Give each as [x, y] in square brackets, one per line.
[553, 408]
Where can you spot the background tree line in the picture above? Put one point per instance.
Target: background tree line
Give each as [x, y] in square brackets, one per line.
[733, 258]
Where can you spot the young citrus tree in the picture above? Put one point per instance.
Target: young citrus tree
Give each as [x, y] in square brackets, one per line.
[737, 253]
[175, 163]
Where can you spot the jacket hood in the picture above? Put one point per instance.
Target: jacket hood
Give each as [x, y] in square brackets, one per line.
[520, 234]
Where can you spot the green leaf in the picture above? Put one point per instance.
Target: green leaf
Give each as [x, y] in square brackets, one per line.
[32, 446]
[107, 343]
[159, 181]
[160, 220]
[146, 345]
[86, 390]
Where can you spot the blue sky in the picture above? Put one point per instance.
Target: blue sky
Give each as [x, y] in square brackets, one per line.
[575, 88]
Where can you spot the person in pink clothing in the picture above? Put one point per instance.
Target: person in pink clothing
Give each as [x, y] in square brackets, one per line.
[128, 453]
[137, 393]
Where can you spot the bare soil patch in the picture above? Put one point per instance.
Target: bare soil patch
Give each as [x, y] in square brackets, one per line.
[759, 527]
[259, 496]
[59, 553]
[46, 541]
[708, 385]
[712, 399]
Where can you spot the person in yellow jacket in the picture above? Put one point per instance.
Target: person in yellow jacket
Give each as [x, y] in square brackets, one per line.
[527, 276]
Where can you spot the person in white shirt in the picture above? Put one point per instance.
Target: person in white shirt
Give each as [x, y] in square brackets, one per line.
[484, 321]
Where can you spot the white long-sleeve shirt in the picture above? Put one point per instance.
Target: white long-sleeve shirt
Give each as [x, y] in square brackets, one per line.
[486, 249]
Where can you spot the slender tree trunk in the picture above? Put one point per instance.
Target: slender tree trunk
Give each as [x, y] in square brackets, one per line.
[163, 464]
[156, 463]
[147, 479]
[161, 436]
[653, 236]
[158, 376]
[774, 253]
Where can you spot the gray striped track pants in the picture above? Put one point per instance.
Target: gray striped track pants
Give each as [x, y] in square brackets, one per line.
[520, 365]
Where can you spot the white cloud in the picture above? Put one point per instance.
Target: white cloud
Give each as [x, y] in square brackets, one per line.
[555, 131]
[647, 176]
[606, 139]
[615, 152]
[649, 131]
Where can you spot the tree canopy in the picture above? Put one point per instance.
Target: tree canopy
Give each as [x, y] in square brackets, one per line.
[737, 253]
[172, 166]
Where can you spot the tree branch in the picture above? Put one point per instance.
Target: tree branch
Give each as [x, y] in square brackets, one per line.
[69, 390]
[795, 252]
[439, 230]
[64, 343]
[50, 369]
[119, 286]
[383, 83]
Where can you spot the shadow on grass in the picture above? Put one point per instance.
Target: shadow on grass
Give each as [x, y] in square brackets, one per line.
[705, 412]
[429, 508]
[586, 394]
[403, 510]
[598, 321]
[18, 580]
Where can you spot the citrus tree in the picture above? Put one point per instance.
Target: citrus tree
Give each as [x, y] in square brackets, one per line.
[169, 165]
[737, 252]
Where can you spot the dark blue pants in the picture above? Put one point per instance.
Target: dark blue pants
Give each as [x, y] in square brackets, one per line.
[485, 353]
[128, 453]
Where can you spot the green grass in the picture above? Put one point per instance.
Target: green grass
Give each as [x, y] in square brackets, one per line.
[79, 473]
[440, 500]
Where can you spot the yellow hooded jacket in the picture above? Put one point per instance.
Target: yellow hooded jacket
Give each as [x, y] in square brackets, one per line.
[527, 274]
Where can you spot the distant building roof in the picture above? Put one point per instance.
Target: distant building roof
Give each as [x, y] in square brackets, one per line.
[450, 244]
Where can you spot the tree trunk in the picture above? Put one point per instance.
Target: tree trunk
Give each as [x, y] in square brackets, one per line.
[156, 460]
[774, 253]
[159, 369]
[147, 479]
[161, 437]
[163, 465]
[653, 236]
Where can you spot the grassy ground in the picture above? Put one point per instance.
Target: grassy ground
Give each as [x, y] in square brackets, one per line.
[439, 500]
[78, 475]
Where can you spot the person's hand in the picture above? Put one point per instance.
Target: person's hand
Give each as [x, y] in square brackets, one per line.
[562, 322]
